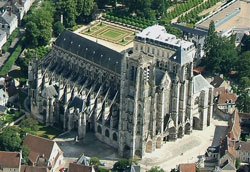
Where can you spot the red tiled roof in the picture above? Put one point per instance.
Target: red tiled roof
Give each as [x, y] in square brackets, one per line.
[227, 97]
[25, 168]
[245, 146]
[234, 128]
[187, 167]
[73, 167]
[38, 146]
[9, 159]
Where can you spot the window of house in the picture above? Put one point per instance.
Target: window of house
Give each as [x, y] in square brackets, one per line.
[141, 48]
[148, 49]
[153, 51]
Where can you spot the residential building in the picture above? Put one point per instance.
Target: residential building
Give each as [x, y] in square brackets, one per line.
[219, 82]
[187, 167]
[8, 22]
[3, 39]
[74, 167]
[25, 168]
[43, 152]
[3, 97]
[226, 102]
[10, 161]
[244, 151]
[132, 102]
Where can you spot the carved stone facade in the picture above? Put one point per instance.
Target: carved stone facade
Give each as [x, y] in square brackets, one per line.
[131, 101]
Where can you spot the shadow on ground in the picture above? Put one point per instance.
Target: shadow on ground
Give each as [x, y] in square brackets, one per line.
[90, 146]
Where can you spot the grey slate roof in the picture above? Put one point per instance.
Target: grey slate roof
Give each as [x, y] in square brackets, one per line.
[219, 133]
[49, 92]
[217, 81]
[90, 50]
[77, 102]
[8, 18]
[200, 83]
[190, 30]
[181, 57]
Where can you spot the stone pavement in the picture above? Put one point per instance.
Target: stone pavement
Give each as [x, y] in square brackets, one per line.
[185, 150]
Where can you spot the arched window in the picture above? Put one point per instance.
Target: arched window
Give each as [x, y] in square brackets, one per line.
[99, 129]
[115, 137]
[107, 133]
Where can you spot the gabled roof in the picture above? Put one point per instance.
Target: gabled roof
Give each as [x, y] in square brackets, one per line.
[226, 98]
[187, 167]
[9, 159]
[73, 167]
[217, 81]
[90, 50]
[200, 83]
[8, 18]
[38, 146]
[25, 168]
[228, 165]
[234, 128]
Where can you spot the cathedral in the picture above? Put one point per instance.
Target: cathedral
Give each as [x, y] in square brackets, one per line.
[133, 101]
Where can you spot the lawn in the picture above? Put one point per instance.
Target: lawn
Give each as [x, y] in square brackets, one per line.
[110, 33]
[47, 132]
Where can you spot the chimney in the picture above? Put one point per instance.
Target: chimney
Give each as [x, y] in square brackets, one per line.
[20, 2]
[11, 2]
[10, 12]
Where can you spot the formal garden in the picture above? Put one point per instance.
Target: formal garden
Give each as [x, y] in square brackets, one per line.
[110, 33]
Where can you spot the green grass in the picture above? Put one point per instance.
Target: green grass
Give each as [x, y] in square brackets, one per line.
[47, 132]
[11, 60]
[13, 35]
[113, 33]
[110, 33]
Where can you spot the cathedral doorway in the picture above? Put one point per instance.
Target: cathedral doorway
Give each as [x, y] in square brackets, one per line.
[126, 151]
[180, 132]
[158, 142]
[196, 123]
[172, 133]
[149, 146]
[187, 128]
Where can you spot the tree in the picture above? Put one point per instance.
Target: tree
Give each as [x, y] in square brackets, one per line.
[29, 123]
[95, 161]
[58, 28]
[122, 164]
[211, 38]
[31, 34]
[84, 7]
[25, 153]
[156, 169]
[237, 163]
[10, 139]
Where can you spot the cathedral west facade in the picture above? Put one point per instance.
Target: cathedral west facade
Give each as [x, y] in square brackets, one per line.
[131, 101]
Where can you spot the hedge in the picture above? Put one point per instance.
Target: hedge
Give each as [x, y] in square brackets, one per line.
[11, 60]
[13, 35]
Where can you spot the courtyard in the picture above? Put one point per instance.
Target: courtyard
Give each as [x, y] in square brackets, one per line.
[110, 32]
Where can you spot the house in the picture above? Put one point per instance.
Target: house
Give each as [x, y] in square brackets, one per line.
[8, 22]
[3, 39]
[222, 157]
[74, 167]
[10, 161]
[227, 102]
[187, 167]
[43, 152]
[25, 168]
[244, 151]
[133, 168]
[219, 82]
[3, 97]
[21, 7]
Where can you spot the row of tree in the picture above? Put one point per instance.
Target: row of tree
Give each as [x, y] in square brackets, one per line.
[193, 15]
[221, 56]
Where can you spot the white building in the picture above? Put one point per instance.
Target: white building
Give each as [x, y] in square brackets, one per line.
[3, 97]
[43, 152]
[10, 161]
[3, 39]
[8, 22]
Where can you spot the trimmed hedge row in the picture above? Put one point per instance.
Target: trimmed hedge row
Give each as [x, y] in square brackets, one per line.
[133, 21]
[13, 35]
[11, 60]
